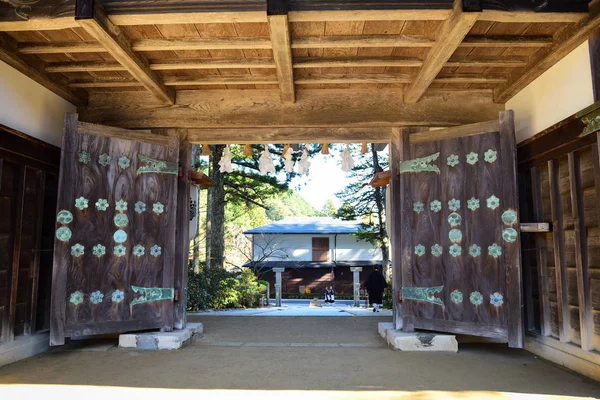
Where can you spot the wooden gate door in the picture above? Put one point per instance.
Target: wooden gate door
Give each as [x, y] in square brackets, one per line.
[114, 249]
[459, 234]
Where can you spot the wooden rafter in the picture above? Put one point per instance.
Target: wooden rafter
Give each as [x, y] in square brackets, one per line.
[449, 36]
[166, 65]
[282, 51]
[117, 45]
[34, 68]
[564, 42]
[272, 80]
[316, 42]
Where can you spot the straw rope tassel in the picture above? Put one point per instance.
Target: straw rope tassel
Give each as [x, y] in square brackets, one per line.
[325, 148]
[364, 148]
[248, 150]
[206, 150]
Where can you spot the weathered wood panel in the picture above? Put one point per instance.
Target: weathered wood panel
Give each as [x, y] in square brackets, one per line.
[87, 287]
[480, 292]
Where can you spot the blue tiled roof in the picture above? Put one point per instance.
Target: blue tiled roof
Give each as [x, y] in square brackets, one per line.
[308, 225]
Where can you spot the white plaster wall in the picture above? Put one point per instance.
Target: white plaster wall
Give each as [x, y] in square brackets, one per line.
[350, 249]
[27, 106]
[558, 93]
[299, 247]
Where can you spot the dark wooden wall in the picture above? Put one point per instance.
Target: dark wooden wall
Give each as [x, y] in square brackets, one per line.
[317, 279]
[28, 190]
[559, 174]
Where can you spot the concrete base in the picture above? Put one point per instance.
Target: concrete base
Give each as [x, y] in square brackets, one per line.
[23, 347]
[162, 340]
[416, 341]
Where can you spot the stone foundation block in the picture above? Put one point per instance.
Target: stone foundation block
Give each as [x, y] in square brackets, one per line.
[417, 341]
[177, 339]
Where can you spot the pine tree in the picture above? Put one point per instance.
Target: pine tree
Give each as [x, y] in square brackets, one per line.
[362, 201]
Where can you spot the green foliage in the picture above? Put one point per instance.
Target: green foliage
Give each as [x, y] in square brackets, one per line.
[289, 204]
[329, 209]
[217, 288]
[346, 212]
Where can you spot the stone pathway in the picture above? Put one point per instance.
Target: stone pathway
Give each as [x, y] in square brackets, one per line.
[299, 311]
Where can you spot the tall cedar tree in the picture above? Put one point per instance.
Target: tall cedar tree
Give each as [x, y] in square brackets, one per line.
[362, 201]
[245, 185]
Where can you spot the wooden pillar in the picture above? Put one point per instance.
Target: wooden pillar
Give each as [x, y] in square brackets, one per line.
[586, 321]
[558, 238]
[541, 254]
[594, 45]
[8, 332]
[182, 231]
[37, 244]
[401, 223]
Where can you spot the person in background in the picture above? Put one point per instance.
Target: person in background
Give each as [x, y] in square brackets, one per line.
[375, 285]
[329, 295]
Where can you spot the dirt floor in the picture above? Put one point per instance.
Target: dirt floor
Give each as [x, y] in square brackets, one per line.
[322, 357]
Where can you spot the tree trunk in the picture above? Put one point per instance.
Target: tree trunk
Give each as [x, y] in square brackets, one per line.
[215, 212]
[379, 201]
[196, 241]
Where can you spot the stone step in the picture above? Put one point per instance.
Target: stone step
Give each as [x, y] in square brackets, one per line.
[416, 341]
[162, 340]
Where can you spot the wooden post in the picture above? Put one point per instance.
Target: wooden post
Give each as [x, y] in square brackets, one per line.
[9, 334]
[182, 240]
[35, 264]
[401, 218]
[541, 252]
[558, 238]
[586, 321]
[594, 44]
[512, 251]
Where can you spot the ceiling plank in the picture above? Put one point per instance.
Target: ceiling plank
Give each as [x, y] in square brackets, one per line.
[238, 108]
[39, 24]
[117, 44]
[469, 78]
[449, 36]
[34, 68]
[84, 67]
[289, 135]
[565, 42]
[354, 78]
[282, 51]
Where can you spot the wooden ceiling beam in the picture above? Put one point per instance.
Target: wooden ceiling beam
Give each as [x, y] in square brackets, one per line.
[170, 18]
[236, 43]
[34, 68]
[319, 42]
[369, 15]
[449, 36]
[282, 50]
[289, 135]
[214, 80]
[61, 47]
[166, 65]
[530, 17]
[250, 108]
[316, 42]
[39, 24]
[564, 43]
[351, 62]
[515, 62]
[95, 22]
[506, 41]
